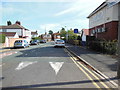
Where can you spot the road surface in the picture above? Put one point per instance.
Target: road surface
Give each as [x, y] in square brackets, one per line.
[43, 66]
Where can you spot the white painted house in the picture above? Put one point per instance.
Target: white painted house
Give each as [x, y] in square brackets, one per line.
[20, 30]
[17, 28]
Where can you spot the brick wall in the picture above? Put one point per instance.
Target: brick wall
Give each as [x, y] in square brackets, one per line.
[111, 32]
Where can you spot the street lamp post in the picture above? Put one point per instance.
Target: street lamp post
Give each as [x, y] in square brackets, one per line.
[66, 34]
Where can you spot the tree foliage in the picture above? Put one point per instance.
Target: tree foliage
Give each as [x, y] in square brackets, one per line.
[71, 35]
[50, 32]
[63, 32]
[2, 38]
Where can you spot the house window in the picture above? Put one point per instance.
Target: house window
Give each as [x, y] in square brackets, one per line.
[93, 31]
[4, 30]
[103, 29]
[96, 30]
[99, 30]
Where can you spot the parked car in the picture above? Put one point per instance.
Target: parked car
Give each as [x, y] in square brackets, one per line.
[42, 41]
[35, 42]
[59, 43]
[21, 43]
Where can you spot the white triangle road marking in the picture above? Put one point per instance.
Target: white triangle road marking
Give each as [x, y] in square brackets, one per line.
[24, 64]
[56, 66]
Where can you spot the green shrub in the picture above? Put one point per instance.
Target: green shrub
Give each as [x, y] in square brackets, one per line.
[2, 38]
[109, 47]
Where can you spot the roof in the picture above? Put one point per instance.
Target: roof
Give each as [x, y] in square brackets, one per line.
[10, 34]
[34, 33]
[13, 26]
[56, 33]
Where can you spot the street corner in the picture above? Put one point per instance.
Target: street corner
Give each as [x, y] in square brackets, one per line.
[4, 50]
[6, 54]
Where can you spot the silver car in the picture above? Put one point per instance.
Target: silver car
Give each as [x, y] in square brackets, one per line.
[59, 43]
[21, 43]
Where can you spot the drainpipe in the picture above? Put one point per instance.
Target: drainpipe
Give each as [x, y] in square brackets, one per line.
[118, 71]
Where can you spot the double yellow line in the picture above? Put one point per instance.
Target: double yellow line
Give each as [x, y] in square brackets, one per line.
[5, 50]
[81, 66]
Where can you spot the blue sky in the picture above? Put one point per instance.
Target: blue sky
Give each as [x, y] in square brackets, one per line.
[52, 15]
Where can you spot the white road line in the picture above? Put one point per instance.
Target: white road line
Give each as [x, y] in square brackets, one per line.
[24, 64]
[56, 66]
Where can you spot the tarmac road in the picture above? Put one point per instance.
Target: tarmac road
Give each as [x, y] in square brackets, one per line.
[43, 66]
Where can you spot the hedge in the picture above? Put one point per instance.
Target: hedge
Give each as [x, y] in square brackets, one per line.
[109, 47]
[2, 38]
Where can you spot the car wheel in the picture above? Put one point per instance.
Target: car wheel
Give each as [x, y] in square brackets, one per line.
[24, 46]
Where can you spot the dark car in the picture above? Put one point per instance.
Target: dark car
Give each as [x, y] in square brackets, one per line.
[35, 42]
[42, 41]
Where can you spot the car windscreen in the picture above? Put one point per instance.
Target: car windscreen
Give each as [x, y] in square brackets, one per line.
[18, 41]
[60, 41]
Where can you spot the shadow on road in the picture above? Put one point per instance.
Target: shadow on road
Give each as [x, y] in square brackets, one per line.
[48, 51]
[55, 84]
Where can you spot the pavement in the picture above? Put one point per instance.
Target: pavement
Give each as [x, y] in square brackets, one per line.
[104, 63]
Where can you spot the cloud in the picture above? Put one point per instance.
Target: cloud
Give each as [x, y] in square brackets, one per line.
[10, 10]
[39, 0]
[47, 27]
[79, 6]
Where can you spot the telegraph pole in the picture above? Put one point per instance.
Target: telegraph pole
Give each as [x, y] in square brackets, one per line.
[118, 71]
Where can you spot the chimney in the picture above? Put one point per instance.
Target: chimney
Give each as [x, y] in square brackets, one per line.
[9, 23]
[18, 22]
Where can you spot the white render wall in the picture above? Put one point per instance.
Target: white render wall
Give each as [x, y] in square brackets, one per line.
[107, 14]
[28, 33]
[18, 31]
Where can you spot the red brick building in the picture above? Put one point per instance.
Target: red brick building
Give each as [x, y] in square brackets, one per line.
[103, 22]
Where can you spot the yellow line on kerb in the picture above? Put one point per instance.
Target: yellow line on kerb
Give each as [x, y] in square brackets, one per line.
[4, 50]
[73, 58]
[86, 74]
[94, 76]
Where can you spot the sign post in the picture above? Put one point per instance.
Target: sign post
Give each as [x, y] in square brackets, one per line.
[118, 70]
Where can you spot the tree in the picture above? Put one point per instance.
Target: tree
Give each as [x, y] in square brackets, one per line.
[63, 32]
[2, 38]
[71, 35]
[50, 32]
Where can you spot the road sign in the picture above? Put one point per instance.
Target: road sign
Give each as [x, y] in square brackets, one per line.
[75, 30]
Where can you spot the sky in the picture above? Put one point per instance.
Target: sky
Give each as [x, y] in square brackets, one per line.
[45, 15]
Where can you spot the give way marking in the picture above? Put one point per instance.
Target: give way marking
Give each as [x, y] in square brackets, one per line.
[24, 64]
[56, 66]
